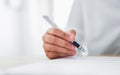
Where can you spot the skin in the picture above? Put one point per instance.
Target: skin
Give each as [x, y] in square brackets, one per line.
[56, 43]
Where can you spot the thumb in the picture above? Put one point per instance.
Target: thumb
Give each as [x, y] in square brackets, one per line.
[72, 34]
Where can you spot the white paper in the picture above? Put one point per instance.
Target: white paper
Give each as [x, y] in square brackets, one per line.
[1, 72]
[71, 66]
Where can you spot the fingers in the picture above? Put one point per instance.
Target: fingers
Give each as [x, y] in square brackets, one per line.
[53, 55]
[72, 32]
[59, 33]
[57, 49]
[58, 41]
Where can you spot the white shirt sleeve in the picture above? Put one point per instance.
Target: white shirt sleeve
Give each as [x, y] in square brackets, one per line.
[76, 20]
[97, 23]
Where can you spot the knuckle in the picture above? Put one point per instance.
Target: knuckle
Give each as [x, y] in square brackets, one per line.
[52, 39]
[53, 30]
[49, 30]
[44, 46]
[47, 47]
[49, 38]
[65, 35]
[50, 48]
[43, 37]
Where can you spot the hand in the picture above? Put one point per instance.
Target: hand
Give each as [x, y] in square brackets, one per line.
[57, 43]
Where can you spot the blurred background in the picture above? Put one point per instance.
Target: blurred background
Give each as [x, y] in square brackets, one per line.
[21, 29]
[22, 26]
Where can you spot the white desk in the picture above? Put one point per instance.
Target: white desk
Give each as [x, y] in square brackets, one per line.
[70, 66]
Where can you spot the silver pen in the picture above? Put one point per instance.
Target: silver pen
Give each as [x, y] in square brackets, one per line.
[55, 25]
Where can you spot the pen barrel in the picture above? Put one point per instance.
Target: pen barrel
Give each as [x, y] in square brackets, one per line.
[75, 44]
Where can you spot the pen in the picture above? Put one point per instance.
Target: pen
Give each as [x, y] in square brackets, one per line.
[55, 25]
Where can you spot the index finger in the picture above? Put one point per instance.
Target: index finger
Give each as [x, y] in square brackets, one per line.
[59, 33]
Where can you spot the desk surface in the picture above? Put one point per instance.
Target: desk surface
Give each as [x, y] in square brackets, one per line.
[71, 66]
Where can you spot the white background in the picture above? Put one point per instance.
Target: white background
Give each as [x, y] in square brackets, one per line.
[22, 25]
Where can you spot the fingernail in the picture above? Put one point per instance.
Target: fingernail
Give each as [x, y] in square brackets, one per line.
[71, 37]
[73, 52]
[72, 47]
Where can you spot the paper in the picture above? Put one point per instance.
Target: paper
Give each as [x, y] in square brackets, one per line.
[71, 66]
[1, 72]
